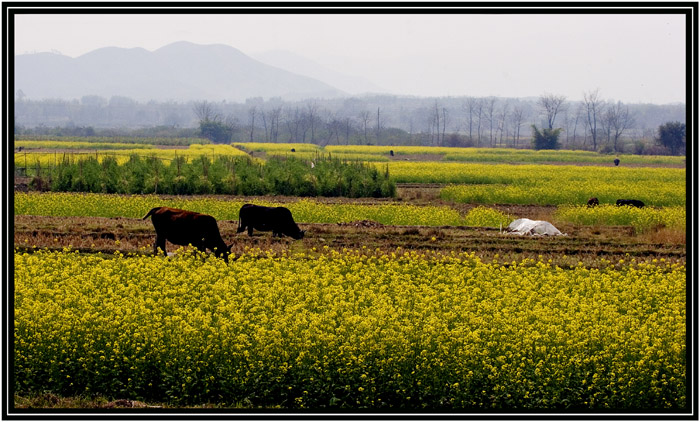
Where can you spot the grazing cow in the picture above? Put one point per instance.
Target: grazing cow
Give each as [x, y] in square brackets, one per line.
[630, 202]
[184, 228]
[592, 202]
[616, 161]
[277, 219]
[391, 152]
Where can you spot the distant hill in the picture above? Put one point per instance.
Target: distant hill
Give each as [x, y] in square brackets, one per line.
[298, 64]
[180, 71]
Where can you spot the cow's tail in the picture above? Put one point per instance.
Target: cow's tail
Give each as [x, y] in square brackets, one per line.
[151, 212]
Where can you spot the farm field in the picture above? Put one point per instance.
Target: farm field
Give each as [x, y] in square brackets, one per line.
[416, 302]
[47, 152]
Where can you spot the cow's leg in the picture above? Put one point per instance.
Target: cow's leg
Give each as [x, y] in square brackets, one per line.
[241, 228]
[250, 230]
[159, 243]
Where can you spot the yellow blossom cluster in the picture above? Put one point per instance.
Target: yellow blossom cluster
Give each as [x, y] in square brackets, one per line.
[642, 219]
[547, 185]
[352, 330]
[221, 208]
[34, 160]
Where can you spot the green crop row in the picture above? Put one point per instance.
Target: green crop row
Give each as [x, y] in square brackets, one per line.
[223, 175]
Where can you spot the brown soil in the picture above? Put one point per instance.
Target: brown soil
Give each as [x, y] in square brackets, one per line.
[584, 244]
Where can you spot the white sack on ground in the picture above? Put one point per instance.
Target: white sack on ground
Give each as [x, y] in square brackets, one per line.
[525, 226]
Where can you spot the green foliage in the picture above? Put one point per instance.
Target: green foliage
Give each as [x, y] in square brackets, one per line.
[546, 139]
[215, 131]
[229, 175]
[672, 136]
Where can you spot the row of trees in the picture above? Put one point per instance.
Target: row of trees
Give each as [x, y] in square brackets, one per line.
[600, 119]
[590, 123]
[603, 121]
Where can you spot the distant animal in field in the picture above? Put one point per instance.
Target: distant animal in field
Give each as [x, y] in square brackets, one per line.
[293, 150]
[184, 228]
[592, 202]
[391, 152]
[276, 219]
[630, 202]
[616, 161]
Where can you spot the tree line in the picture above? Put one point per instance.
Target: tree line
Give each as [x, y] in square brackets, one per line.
[590, 123]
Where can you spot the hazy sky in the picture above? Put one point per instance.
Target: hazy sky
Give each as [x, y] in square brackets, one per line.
[630, 57]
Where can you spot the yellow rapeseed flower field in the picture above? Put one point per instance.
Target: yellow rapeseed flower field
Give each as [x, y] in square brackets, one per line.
[304, 211]
[351, 330]
[642, 219]
[32, 160]
[547, 185]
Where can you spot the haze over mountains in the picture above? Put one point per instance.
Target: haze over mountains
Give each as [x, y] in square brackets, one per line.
[181, 71]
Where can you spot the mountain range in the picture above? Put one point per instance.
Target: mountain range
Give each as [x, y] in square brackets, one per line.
[181, 71]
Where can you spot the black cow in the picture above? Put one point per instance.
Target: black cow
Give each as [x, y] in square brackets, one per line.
[616, 161]
[630, 202]
[592, 202]
[184, 228]
[277, 219]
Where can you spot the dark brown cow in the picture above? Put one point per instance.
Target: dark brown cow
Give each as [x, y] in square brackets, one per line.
[631, 202]
[277, 219]
[184, 228]
[592, 202]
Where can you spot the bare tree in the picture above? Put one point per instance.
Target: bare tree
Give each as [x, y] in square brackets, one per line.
[444, 124]
[479, 117]
[312, 115]
[274, 117]
[364, 119]
[263, 116]
[205, 111]
[577, 118]
[293, 120]
[618, 119]
[347, 122]
[594, 108]
[502, 122]
[517, 118]
[380, 124]
[232, 123]
[439, 122]
[252, 112]
[470, 107]
[435, 125]
[490, 110]
[332, 125]
[550, 105]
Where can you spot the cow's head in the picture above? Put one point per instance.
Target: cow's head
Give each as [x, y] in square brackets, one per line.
[299, 235]
[225, 252]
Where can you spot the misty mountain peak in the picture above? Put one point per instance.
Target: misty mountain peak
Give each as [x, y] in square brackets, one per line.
[179, 71]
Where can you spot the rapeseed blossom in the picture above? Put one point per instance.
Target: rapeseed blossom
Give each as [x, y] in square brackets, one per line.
[352, 329]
